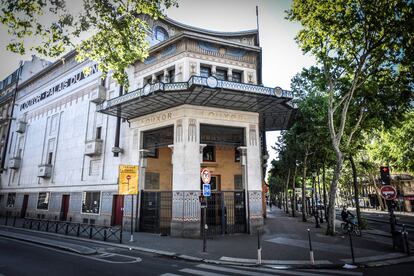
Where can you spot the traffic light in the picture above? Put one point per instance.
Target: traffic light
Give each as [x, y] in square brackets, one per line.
[385, 175]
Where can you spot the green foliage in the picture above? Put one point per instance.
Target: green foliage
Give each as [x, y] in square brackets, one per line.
[117, 29]
[395, 146]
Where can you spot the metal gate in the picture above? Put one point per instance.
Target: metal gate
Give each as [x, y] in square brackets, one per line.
[155, 215]
[226, 213]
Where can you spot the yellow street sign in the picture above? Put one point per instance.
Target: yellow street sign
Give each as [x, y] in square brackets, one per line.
[128, 180]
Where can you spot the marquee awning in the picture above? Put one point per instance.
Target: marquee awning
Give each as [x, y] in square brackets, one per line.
[274, 105]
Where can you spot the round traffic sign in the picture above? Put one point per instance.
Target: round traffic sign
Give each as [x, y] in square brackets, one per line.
[205, 176]
[128, 177]
[388, 192]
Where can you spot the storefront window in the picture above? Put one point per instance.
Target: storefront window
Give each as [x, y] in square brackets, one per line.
[91, 202]
[209, 154]
[238, 182]
[152, 181]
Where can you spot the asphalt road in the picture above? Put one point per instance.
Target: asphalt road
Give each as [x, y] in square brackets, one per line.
[23, 258]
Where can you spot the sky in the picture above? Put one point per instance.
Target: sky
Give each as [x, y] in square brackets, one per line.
[282, 58]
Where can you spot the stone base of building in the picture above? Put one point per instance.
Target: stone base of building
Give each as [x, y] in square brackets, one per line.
[256, 224]
[185, 229]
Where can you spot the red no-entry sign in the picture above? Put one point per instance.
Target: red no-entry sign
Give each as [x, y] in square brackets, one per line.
[388, 192]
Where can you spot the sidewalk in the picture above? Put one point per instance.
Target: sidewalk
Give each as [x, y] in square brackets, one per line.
[284, 242]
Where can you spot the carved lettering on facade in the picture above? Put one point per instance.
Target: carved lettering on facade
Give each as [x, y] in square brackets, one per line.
[156, 118]
[224, 115]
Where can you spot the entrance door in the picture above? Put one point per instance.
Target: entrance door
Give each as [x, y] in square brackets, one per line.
[117, 209]
[24, 206]
[64, 207]
[149, 217]
[239, 212]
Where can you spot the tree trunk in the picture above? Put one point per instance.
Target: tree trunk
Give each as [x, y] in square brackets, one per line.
[304, 187]
[287, 192]
[377, 192]
[356, 194]
[324, 191]
[294, 193]
[330, 230]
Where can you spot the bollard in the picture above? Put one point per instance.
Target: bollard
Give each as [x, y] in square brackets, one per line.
[7, 218]
[14, 221]
[312, 259]
[259, 248]
[406, 242]
[352, 247]
[105, 234]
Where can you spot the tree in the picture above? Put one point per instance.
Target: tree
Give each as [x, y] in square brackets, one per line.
[117, 30]
[394, 146]
[357, 44]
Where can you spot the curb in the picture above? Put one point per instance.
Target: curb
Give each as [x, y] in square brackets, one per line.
[286, 264]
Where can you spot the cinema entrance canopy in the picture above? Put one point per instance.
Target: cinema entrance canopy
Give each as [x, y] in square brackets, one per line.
[274, 105]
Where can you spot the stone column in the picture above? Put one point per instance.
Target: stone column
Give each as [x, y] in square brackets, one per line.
[186, 179]
[253, 180]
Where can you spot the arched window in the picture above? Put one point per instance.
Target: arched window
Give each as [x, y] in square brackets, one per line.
[160, 33]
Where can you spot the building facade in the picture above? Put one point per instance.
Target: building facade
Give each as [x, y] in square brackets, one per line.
[196, 102]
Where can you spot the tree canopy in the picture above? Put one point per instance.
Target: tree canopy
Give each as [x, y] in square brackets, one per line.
[116, 28]
[364, 50]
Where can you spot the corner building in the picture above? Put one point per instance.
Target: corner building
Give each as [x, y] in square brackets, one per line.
[196, 102]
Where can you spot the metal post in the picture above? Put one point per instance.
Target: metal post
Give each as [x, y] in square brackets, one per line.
[406, 242]
[392, 221]
[121, 230]
[259, 248]
[204, 228]
[14, 221]
[312, 260]
[352, 247]
[132, 219]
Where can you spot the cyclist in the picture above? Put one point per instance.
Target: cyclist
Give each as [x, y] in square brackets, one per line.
[347, 217]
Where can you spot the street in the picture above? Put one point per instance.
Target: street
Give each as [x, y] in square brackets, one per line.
[41, 260]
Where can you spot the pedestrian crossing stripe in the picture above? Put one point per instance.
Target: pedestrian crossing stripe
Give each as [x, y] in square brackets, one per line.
[214, 270]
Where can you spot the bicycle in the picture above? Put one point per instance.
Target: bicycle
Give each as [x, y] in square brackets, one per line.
[351, 227]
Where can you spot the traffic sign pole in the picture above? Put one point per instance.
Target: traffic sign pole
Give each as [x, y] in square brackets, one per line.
[132, 218]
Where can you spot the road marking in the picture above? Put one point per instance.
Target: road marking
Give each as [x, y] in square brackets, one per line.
[232, 270]
[170, 274]
[199, 272]
[282, 271]
[274, 262]
[97, 258]
[341, 272]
